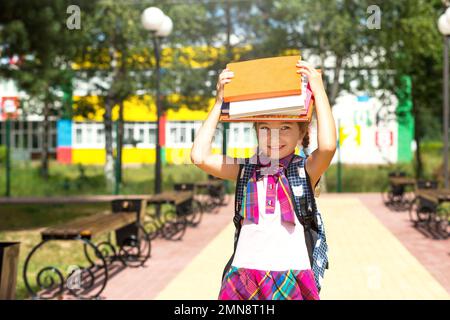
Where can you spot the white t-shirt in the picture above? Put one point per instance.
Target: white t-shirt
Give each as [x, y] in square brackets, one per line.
[272, 244]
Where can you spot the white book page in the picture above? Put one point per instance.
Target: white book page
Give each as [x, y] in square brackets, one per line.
[262, 106]
[285, 111]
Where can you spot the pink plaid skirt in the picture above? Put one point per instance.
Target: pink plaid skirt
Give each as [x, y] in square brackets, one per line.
[252, 284]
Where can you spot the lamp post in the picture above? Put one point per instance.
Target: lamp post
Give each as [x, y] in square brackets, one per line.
[9, 109]
[8, 157]
[444, 28]
[160, 26]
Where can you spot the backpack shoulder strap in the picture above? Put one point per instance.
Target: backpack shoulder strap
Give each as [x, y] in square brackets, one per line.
[309, 217]
[311, 199]
[320, 255]
[244, 174]
[297, 180]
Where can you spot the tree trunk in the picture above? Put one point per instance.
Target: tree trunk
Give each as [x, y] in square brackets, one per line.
[417, 136]
[419, 162]
[45, 146]
[109, 162]
[120, 132]
[334, 90]
[335, 85]
[322, 186]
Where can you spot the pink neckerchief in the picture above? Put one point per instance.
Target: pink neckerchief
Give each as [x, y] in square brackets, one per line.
[277, 185]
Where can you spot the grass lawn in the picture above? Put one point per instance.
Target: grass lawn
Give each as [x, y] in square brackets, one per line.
[374, 178]
[78, 179]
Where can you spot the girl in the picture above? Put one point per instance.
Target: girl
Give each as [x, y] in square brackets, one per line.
[271, 259]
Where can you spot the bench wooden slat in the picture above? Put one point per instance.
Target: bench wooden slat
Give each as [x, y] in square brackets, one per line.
[212, 183]
[60, 200]
[171, 197]
[167, 196]
[402, 180]
[443, 194]
[426, 195]
[71, 199]
[434, 195]
[79, 222]
[90, 226]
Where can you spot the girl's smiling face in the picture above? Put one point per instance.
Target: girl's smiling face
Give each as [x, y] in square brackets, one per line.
[278, 139]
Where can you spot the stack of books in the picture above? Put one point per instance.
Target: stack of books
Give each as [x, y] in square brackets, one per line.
[268, 89]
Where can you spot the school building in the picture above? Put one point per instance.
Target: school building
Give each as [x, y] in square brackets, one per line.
[81, 140]
[363, 138]
[368, 130]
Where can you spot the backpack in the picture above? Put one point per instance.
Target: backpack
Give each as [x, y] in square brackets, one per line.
[305, 210]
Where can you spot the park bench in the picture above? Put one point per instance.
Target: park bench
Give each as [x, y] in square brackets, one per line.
[172, 225]
[194, 207]
[396, 196]
[59, 200]
[132, 239]
[213, 189]
[427, 211]
[131, 248]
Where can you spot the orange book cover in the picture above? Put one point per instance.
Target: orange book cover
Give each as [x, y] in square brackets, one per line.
[263, 78]
[273, 117]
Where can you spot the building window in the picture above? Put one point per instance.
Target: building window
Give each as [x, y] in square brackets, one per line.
[25, 140]
[141, 135]
[152, 136]
[129, 135]
[27, 135]
[236, 135]
[35, 141]
[88, 136]
[52, 142]
[247, 135]
[192, 134]
[79, 136]
[100, 137]
[217, 139]
[173, 135]
[241, 135]
[182, 136]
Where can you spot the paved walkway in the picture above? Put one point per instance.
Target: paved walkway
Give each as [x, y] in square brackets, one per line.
[374, 254]
[433, 254]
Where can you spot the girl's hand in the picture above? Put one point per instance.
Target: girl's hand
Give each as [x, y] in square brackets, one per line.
[314, 76]
[224, 77]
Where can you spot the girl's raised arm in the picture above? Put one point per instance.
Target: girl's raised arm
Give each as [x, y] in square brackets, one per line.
[218, 165]
[320, 159]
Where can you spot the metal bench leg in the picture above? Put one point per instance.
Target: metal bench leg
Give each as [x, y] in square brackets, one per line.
[50, 282]
[48, 278]
[106, 248]
[82, 281]
[135, 250]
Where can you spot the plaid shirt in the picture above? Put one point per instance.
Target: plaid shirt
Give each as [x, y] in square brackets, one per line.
[278, 185]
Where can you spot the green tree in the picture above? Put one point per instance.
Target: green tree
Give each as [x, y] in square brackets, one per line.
[412, 46]
[36, 31]
[109, 57]
[407, 43]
